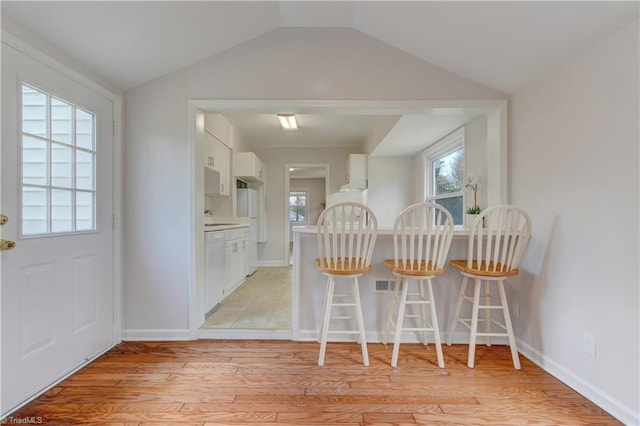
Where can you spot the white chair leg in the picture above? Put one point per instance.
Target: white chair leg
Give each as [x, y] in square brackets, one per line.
[325, 320]
[487, 312]
[474, 323]
[392, 311]
[363, 337]
[456, 314]
[399, 321]
[324, 308]
[423, 311]
[434, 324]
[507, 323]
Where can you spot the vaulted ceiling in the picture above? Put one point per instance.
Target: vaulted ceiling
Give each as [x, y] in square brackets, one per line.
[503, 45]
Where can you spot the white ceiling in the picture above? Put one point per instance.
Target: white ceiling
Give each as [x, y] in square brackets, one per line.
[503, 45]
[314, 130]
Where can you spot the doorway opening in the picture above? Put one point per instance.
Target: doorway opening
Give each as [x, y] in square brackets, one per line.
[306, 193]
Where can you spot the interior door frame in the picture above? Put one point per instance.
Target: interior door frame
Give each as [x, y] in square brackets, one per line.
[116, 98]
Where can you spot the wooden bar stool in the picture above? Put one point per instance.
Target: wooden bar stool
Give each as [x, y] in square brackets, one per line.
[346, 234]
[421, 238]
[498, 238]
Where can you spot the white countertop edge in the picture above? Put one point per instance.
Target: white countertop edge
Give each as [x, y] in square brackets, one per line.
[308, 229]
[224, 227]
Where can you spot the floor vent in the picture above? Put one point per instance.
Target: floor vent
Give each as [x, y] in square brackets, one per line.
[384, 286]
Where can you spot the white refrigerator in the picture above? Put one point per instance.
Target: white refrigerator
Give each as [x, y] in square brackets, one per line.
[248, 207]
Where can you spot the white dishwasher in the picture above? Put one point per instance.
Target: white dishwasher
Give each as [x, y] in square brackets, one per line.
[214, 275]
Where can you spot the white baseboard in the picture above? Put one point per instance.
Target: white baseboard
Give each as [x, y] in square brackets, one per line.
[137, 335]
[603, 400]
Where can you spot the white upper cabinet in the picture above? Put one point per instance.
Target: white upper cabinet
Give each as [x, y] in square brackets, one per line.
[218, 155]
[249, 167]
[219, 127]
[217, 167]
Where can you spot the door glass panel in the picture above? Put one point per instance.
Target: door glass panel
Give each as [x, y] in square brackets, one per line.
[61, 121]
[61, 211]
[34, 161]
[34, 111]
[84, 211]
[84, 170]
[34, 210]
[61, 166]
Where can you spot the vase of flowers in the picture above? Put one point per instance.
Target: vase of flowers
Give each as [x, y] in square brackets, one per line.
[473, 211]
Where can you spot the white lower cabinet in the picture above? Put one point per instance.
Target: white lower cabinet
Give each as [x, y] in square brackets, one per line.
[237, 259]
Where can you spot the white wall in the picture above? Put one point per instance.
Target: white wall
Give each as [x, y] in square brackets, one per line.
[574, 167]
[291, 63]
[390, 187]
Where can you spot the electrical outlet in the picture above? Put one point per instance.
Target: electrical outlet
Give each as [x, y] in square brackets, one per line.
[589, 344]
[516, 310]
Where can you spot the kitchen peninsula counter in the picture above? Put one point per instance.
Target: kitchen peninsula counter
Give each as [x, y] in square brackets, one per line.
[309, 286]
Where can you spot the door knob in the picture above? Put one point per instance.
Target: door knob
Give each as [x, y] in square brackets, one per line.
[6, 245]
[3, 219]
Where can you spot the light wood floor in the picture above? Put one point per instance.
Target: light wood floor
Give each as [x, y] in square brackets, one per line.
[275, 382]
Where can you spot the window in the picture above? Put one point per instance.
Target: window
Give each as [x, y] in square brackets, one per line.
[298, 208]
[58, 165]
[444, 176]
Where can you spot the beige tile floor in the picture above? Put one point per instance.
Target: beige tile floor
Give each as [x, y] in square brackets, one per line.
[262, 302]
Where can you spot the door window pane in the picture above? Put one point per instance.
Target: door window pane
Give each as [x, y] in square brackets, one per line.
[61, 211]
[61, 124]
[34, 161]
[84, 129]
[34, 210]
[84, 170]
[34, 111]
[61, 166]
[58, 165]
[84, 211]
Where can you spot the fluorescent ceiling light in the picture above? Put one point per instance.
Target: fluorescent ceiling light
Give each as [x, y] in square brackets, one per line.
[288, 121]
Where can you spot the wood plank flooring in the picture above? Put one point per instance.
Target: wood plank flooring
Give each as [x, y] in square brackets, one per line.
[209, 383]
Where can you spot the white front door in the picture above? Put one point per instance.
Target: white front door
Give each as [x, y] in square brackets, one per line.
[57, 189]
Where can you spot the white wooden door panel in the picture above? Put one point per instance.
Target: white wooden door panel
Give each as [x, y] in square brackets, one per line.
[57, 289]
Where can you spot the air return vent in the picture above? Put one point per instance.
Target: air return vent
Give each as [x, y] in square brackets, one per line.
[384, 286]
